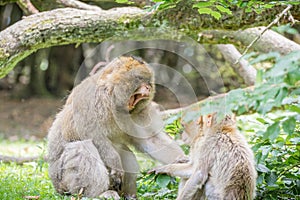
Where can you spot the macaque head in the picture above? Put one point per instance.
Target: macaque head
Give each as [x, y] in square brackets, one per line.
[212, 123]
[130, 82]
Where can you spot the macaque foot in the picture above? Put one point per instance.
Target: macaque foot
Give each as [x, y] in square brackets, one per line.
[116, 179]
[130, 196]
[110, 194]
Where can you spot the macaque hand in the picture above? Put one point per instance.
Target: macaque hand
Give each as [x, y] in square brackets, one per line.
[160, 170]
[182, 159]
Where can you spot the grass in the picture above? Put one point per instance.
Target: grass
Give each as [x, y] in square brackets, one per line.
[32, 180]
[21, 181]
[29, 179]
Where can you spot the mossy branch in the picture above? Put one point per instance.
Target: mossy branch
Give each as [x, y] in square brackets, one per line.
[60, 27]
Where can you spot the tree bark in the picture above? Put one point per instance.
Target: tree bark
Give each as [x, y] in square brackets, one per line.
[59, 27]
[242, 67]
[269, 41]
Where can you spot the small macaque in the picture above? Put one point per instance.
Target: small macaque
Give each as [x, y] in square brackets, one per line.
[221, 165]
[108, 112]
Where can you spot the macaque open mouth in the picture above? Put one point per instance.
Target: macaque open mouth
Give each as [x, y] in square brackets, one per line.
[143, 92]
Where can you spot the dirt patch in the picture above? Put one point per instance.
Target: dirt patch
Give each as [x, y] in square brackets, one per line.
[26, 118]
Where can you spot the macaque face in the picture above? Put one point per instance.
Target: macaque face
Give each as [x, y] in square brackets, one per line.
[133, 86]
[140, 96]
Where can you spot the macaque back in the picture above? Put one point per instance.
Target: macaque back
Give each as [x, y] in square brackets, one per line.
[221, 164]
[226, 160]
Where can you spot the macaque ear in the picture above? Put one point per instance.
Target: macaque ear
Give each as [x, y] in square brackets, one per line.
[200, 120]
[233, 117]
[209, 119]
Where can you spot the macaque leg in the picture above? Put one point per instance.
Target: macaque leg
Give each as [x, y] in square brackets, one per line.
[112, 160]
[192, 186]
[80, 167]
[131, 169]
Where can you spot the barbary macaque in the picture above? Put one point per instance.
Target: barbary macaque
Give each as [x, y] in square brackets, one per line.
[221, 165]
[108, 112]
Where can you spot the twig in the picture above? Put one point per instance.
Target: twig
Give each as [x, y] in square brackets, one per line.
[275, 21]
[18, 160]
[79, 5]
[21, 160]
[103, 63]
[27, 7]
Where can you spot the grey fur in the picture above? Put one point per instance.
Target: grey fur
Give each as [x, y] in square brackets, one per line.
[221, 165]
[88, 141]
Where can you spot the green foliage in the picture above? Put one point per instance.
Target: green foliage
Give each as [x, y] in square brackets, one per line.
[217, 9]
[124, 1]
[275, 135]
[18, 181]
[160, 186]
[277, 155]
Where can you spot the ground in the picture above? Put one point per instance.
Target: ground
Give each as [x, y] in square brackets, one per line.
[29, 119]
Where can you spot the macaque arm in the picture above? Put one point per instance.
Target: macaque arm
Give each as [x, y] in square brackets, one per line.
[193, 184]
[108, 153]
[160, 147]
[182, 170]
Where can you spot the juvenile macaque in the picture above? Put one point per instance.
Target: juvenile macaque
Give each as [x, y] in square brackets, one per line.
[88, 141]
[221, 164]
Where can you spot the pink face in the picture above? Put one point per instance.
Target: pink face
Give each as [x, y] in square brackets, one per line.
[143, 92]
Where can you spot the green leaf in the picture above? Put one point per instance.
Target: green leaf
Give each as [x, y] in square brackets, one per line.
[205, 11]
[289, 125]
[262, 168]
[285, 64]
[271, 179]
[123, 1]
[293, 77]
[163, 180]
[223, 9]
[294, 108]
[170, 120]
[261, 120]
[259, 76]
[216, 15]
[203, 4]
[265, 57]
[272, 131]
[280, 96]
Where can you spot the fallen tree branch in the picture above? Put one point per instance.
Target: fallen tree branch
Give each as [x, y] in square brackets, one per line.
[269, 41]
[18, 160]
[243, 68]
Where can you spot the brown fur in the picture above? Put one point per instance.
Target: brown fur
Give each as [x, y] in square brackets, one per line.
[221, 164]
[88, 141]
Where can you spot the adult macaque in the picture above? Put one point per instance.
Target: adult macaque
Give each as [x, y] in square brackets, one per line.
[88, 141]
[221, 165]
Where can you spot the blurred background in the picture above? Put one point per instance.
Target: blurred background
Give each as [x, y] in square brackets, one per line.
[36, 89]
